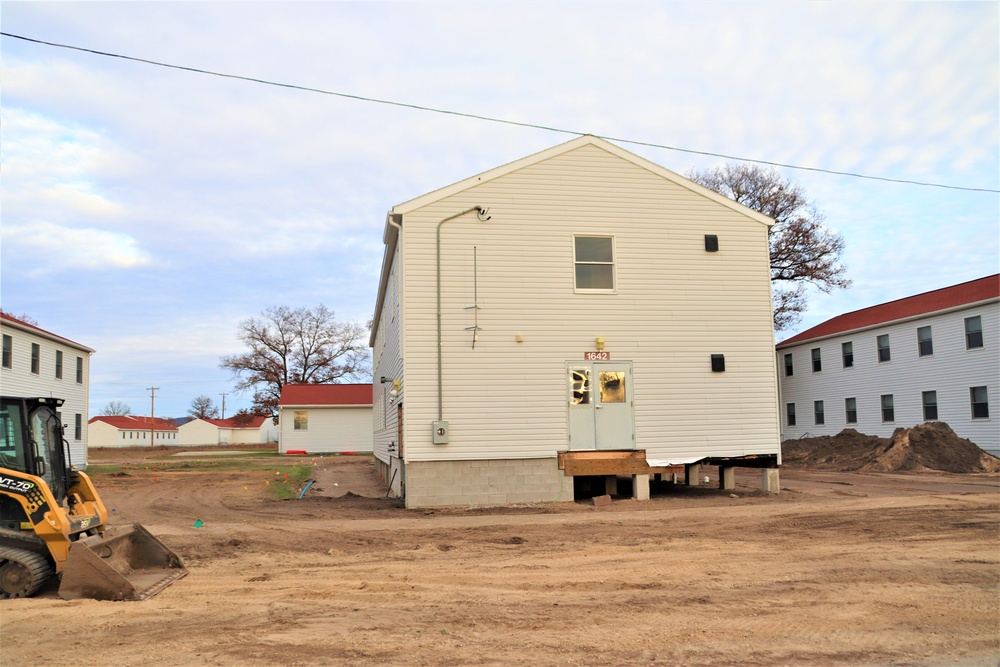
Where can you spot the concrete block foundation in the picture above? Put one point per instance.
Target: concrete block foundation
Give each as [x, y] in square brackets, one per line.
[486, 482]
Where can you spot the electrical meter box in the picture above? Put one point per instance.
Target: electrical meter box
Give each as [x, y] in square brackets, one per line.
[440, 433]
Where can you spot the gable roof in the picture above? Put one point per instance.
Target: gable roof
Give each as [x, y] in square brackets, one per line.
[31, 328]
[946, 298]
[130, 422]
[395, 216]
[326, 394]
[254, 422]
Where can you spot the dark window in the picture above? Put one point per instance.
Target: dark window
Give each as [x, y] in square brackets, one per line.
[78, 428]
[8, 351]
[973, 332]
[595, 262]
[883, 348]
[851, 410]
[790, 413]
[59, 358]
[718, 363]
[847, 350]
[924, 342]
[929, 401]
[818, 413]
[79, 370]
[711, 243]
[36, 353]
[888, 409]
[817, 360]
[980, 402]
[789, 371]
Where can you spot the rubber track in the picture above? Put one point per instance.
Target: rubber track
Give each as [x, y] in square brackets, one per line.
[36, 564]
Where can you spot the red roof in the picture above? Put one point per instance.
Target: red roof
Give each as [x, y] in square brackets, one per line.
[254, 422]
[48, 334]
[326, 394]
[134, 423]
[962, 294]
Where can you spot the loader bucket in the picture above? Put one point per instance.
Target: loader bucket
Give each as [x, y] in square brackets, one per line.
[125, 563]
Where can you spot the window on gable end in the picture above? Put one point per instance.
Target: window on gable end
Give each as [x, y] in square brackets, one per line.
[594, 258]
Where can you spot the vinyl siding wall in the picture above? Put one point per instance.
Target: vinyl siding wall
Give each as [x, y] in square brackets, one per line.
[388, 363]
[198, 432]
[675, 305]
[20, 381]
[950, 371]
[330, 429]
[102, 434]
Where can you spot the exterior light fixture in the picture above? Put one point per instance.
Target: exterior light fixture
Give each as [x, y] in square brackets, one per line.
[599, 343]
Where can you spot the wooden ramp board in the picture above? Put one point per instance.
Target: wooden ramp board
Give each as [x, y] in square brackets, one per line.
[632, 462]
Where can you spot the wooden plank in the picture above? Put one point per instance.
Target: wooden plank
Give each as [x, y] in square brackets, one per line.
[610, 463]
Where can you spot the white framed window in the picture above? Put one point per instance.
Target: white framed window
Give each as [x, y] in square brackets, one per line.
[790, 413]
[300, 420]
[594, 263]
[36, 354]
[789, 369]
[8, 351]
[851, 410]
[925, 344]
[979, 396]
[818, 417]
[847, 352]
[59, 364]
[817, 359]
[888, 408]
[929, 401]
[973, 332]
[883, 348]
[79, 370]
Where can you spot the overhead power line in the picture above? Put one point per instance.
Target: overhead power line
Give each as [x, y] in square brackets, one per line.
[491, 119]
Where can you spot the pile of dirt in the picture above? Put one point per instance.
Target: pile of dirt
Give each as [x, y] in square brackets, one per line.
[929, 446]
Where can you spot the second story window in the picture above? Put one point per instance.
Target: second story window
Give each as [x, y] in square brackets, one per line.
[36, 354]
[883, 348]
[79, 370]
[925, 344]
[594, 257]
[847, 352]
[817, 360]
[8, 351]
[59, 362]
[789, 371]
[973, 332]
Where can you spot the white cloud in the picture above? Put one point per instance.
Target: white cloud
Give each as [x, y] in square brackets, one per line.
[70, 248]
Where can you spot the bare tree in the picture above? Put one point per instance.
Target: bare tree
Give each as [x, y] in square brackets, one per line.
[296, 346]
[202, 407]
[24, 317]
[803, 250]
[116, 409]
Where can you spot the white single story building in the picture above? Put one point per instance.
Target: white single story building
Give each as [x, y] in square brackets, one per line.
[578, 312]
[130, 431]
[198, 432]
[325, 418]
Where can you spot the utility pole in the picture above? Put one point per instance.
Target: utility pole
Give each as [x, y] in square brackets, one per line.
[152, 415]
[223, 405]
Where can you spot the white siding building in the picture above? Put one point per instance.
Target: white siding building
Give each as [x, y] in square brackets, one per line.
[37, 363]
[199, 432]
[579, 300]
[325, 418]
[131, 431]
[930, 357]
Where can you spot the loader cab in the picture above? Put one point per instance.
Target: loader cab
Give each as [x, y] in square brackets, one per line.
[31, 440]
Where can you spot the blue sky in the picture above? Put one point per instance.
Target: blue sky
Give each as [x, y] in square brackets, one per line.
[146, 211]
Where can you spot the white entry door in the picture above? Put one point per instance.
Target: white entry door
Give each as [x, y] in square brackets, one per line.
[600, 405]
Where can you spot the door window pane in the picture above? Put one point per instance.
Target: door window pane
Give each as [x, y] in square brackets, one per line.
[612, 387]
[579, 380]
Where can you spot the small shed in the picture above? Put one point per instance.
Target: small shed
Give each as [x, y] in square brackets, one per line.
[235, 431]
[325, 418]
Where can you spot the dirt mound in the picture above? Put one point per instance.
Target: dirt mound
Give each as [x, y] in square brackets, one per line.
[929, 446]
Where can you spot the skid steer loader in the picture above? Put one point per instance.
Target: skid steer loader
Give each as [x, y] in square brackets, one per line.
[53, 523]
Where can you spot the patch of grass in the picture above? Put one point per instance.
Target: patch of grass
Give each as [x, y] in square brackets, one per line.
[290, 487]
[197, 465]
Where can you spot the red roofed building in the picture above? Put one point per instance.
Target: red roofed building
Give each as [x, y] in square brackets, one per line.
[199, 432]
[929, 357]
[320, 418]
[130, 431]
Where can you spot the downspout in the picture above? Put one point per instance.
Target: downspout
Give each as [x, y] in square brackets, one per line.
[482, 214]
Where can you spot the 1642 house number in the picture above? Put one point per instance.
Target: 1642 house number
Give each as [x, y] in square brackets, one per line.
[597, 356]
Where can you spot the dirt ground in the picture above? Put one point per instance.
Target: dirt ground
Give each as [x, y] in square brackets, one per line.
[839, 568]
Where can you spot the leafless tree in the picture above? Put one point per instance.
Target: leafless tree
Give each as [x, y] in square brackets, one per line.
[116, 409]
[804, 251]
[296, 346]
[24, 317]
[202, 407]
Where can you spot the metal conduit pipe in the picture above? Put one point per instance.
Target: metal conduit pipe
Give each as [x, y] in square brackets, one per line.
[483, 215]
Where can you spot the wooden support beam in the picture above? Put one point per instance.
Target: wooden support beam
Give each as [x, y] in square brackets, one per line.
[575, 464]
